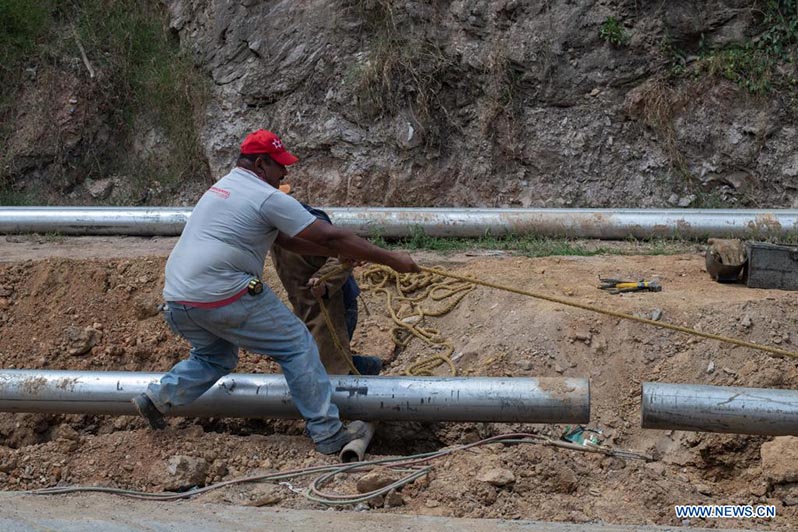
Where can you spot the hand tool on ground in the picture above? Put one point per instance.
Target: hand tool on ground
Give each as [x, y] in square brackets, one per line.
[616, 286]
[569, 303]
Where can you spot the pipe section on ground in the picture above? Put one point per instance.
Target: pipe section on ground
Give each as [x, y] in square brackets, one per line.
[355, 450]
[403, 222]
[719, 409]
[529, 400]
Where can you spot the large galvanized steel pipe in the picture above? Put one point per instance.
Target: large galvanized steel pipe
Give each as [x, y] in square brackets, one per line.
[544, 400]
[143, 221]
[439, 222]
[719, 409]
[609, 224]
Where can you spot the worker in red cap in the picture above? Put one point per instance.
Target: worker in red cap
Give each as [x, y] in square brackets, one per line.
[216, 300]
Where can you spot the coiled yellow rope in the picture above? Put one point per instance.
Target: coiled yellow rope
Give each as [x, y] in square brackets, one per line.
[411, 290]
[422, 286]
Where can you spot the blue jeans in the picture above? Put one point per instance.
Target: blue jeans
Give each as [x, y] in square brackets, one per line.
[264, 325]
[350, 316]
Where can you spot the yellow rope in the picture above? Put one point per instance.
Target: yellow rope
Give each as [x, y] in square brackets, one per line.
[345, 355]
[664, 325]
[407, 323]
[378, 276]
[337, 341]
[432, 287]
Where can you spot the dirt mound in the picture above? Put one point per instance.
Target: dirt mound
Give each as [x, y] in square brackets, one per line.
[102, 314]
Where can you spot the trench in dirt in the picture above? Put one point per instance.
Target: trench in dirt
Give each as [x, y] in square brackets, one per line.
[51, 307]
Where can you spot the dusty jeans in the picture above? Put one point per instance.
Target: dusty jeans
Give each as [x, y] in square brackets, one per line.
[264, 325]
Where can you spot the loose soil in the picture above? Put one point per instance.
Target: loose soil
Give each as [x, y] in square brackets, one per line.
[60, 295]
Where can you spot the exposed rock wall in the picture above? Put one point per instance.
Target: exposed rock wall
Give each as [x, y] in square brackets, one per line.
[487, 102]
[530, 107]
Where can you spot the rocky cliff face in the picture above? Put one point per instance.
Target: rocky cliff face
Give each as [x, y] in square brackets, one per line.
[498, 103]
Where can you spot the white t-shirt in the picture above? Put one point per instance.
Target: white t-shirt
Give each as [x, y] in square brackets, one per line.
[227, 237]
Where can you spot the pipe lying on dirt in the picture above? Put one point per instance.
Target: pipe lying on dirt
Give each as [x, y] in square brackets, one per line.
[719, 409]
[403, 222]
[355, 450]
[544, 400]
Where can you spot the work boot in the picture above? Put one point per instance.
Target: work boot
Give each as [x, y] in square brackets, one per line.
[336, 442]
[147, 410]
[367, 365]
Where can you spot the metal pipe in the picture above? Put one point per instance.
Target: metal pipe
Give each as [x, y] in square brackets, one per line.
[545, 400]
[402, 222]
[719, 409]
[355, 450]
[144, 221]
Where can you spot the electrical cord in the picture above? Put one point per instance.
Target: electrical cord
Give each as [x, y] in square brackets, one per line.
[409, 466]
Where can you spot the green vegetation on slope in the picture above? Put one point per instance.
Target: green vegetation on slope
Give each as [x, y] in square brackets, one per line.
[762, 64]
[139, 73]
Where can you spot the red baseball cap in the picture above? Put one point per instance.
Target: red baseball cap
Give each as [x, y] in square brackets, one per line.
[262, 141]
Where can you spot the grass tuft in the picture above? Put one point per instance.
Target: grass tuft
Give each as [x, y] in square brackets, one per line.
[536, 246]
[146, 75]
[403, 69]
[612, 31]
[762, 64]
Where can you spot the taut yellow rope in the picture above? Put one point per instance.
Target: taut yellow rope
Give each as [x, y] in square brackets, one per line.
[431, 286]
[333, 334]
[664, 325]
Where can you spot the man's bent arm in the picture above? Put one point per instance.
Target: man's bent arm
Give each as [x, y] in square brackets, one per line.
[336, 274]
